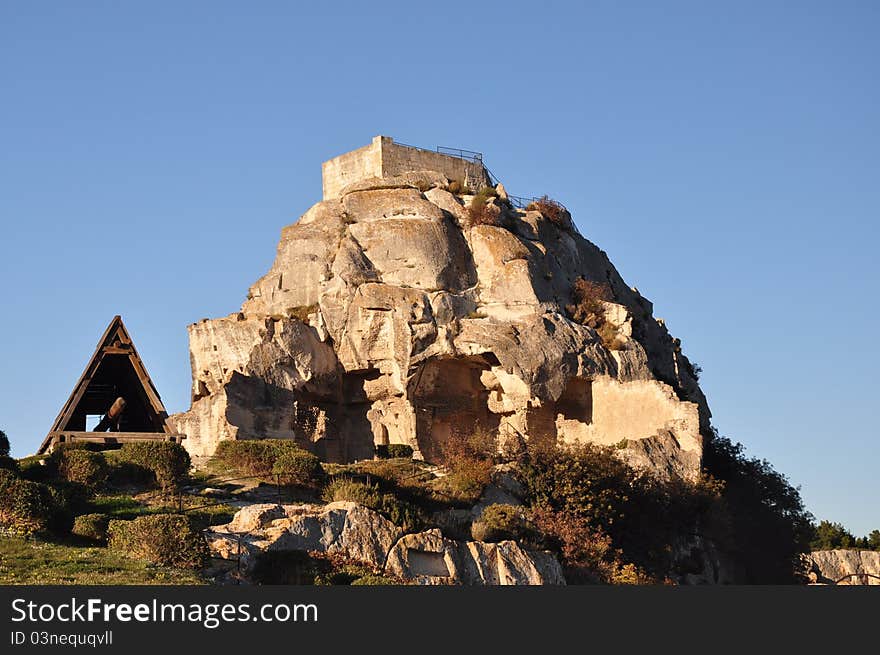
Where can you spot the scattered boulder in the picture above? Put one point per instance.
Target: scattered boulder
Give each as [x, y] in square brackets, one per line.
[363, 535]
[428, 558]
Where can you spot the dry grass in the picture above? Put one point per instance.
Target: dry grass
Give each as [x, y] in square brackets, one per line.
[552, 210]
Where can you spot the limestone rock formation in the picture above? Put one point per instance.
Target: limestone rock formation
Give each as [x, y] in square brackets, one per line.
[360, 534]
[846, 567]
[388, 317]
[428, 558]
[341, 527]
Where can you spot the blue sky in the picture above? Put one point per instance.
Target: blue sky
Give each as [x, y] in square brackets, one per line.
[725, 155]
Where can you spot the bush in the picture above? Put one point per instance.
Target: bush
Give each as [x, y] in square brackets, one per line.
[253, 456]
[168, 462]
[499, 522]
[610, 336]
[83, 467]
[588, 298]
[69, 499]
[297, 467]
[458, 188]
[469, 461]
[552, 210]
[26, 507]
[346, 489]
[375, 580]
[587, 554]
[397, 511]
[161, 539]
[91, 526]
[481, 211]
[4, 444]
[401, 513]
[395, 450]
[302, 313]
[8, 464]
[640, 513]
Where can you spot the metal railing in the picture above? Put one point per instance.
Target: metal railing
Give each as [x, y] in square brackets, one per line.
[468, 155]
[459, 153]
[520, 202]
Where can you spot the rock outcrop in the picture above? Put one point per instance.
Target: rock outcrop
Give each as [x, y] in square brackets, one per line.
[365, 536]
[428, 558]
[845, 567]
[388, 317]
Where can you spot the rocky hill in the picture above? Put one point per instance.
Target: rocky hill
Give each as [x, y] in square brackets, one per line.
[410, 309]
[843, 566]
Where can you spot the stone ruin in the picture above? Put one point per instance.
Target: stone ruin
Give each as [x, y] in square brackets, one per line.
[389, 317]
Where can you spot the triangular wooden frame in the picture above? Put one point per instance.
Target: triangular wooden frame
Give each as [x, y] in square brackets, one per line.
[114, 341]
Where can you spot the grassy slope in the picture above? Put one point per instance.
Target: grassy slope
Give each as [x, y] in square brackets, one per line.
[35, 562]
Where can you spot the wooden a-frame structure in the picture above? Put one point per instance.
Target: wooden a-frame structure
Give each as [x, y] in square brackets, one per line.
[114, 371]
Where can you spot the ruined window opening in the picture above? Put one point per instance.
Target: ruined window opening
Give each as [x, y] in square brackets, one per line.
[576, 402]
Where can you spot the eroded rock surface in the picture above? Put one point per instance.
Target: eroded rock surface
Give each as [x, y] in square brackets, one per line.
[365, 536]
[846, 567]
[388, 318]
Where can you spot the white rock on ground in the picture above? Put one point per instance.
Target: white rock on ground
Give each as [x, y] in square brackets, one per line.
[361, 534]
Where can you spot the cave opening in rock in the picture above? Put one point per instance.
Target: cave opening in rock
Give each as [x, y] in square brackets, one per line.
[450, 402]
[576, 401]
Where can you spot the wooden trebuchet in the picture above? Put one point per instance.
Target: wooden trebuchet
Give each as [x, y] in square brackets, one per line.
[113, 417]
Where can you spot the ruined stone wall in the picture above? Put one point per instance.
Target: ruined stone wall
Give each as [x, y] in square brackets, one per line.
[397, 159]
[384, 158]
[341, 171]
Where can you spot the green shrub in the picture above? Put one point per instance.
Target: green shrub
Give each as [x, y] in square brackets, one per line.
[82, 467]
[395, 450]
[69, 499]
[8, 464]
[499, 522]
[26, 507]
[4, 444]
[481, 211]
[168, 462]
[297, 467]
[346, 489]
[399, 512]
[375, 580]
[91, 526]
[253, 456]
[161, 539]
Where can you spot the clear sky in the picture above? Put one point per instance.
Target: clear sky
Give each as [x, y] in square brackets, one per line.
[726, 155]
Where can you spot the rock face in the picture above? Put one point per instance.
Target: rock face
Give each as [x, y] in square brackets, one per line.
[363, 535]
[846, 567]
[430, 559]
[388, 317]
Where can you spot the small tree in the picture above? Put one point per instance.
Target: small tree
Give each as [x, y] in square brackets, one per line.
[4, 444]
[829, 536]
